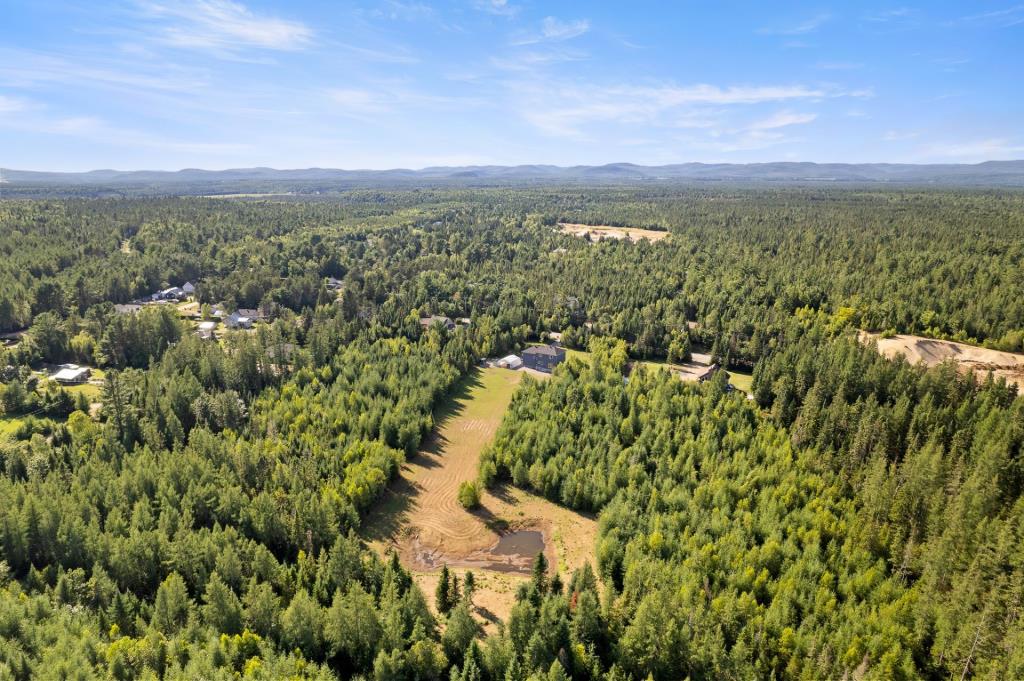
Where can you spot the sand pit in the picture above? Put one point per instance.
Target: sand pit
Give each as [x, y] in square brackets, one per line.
[969, 357]
[421, 518]
[598, 232]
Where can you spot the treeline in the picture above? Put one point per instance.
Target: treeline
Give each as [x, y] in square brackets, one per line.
[872, 527]
[739, 262]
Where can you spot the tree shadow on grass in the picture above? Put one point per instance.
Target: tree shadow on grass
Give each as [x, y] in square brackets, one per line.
[392, 511]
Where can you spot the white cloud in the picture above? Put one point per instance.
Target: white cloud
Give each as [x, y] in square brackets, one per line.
[552, 30]
[11, 104]
[897, 14]
[391, 97]
[1003, 18]
[899, 136]
[555, 29]
[499, 7]
[840, 65]
[974, 151]
[807, 26]
[224, 26]
[782, 119]
[563, 109]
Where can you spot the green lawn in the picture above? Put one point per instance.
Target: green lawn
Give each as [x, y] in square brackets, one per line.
[742, 381]
[92, 392]
[9, 424]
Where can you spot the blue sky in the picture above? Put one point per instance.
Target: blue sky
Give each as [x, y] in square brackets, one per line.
[167, 84]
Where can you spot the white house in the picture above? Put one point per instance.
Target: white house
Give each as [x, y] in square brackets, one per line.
[238, 321]
[70, 374]
[169, 293]
[188, 288]
[510, 362]
[206, 330]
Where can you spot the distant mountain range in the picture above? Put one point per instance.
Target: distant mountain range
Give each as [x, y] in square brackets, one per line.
[991, 173]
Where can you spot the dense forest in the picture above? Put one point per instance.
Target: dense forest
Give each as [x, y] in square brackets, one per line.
[199, 516]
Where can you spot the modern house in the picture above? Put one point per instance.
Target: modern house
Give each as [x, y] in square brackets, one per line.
[252, 313]
[543, 357]
[509, 362]
[446, 322]
[72, 374]
[172, 293]
[237, 320]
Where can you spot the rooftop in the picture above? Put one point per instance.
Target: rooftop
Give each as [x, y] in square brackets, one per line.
[543, 350]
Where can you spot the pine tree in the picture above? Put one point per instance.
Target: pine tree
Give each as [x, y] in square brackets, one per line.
[443, 593]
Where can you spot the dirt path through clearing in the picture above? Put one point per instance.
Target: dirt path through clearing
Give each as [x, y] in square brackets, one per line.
[420, 515]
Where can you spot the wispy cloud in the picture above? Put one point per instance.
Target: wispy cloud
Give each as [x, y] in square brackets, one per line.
[1001, 18]
[95, 129]
[839, 65]
[12, 104]
[28, 68]
[387, 98]
[553, 29]
[564, 109]
[900, 136]
[500, 7]
[535, 59]
[802, 28]
[782, 119]
[556, 29]
[896, 14]
[974, 150]
[223, 26]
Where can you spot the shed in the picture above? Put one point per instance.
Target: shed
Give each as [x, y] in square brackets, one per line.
[188, 288]
[510, 362]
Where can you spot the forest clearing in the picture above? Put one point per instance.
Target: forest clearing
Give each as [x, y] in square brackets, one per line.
[598, 232]
[421, 518]
[971, 358]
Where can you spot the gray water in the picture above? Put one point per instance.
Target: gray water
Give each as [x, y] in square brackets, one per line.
[522, 543]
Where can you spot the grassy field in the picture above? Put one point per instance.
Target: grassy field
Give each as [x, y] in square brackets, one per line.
[421, 518]
[743, 381]
[9, 424]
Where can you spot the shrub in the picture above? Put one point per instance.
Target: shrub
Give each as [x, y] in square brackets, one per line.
[469, 495]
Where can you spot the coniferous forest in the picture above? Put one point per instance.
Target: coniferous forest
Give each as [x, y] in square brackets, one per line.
[196, 510]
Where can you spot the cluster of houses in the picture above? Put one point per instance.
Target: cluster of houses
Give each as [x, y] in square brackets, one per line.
[537, 357]
[175, 293]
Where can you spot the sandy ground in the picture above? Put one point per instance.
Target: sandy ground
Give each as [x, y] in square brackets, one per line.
[597, 232]
[421, 518]
[969, 357]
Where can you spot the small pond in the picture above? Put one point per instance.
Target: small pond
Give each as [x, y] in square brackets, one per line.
[515, 551]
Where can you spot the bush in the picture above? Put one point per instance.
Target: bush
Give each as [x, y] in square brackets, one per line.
[469, 495]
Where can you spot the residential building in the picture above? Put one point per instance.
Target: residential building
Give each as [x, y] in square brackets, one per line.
[427, 322]
[72, 374]
[543, 357]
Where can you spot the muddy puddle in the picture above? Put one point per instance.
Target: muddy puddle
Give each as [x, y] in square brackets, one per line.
[514, 552]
